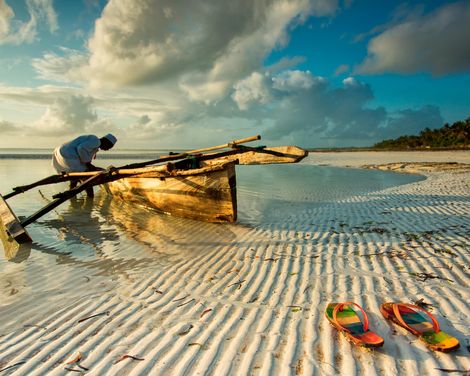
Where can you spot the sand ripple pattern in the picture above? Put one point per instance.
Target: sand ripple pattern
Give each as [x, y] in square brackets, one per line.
[250, 299]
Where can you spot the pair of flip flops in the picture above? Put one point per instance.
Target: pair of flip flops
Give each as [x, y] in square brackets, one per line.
[415, 319]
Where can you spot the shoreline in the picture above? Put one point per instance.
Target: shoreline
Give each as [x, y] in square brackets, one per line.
[396, 161]
[421, 167]
[404, 150]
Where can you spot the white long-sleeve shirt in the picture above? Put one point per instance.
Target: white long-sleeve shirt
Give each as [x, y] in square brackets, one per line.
[74, 155]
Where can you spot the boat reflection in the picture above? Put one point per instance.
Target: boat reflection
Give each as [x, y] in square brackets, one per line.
[77, 237]
[14, 252]
[83, 236]
[114, 237]
[164, 234]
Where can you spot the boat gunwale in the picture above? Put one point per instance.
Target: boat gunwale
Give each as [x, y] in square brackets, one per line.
[154, 172]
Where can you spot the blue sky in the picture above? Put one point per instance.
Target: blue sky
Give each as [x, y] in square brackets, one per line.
[169, 74]
[337, 45]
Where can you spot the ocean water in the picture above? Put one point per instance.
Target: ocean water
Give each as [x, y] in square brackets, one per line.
[85, 246]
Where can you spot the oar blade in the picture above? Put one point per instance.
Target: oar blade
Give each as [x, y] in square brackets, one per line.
[10, 227]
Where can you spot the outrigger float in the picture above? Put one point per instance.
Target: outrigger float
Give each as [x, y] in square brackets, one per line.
[194, 184]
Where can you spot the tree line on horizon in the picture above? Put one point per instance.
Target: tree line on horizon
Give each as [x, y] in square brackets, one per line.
[455, 136]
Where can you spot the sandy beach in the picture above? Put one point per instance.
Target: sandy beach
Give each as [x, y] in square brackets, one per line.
[193, 299]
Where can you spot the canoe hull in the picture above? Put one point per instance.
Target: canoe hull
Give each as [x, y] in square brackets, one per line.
[206, 194]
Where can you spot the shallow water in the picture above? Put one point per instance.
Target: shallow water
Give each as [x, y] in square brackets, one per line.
[85, 247]
[267, 193]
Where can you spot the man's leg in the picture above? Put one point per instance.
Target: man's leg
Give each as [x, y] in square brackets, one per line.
[89, 190]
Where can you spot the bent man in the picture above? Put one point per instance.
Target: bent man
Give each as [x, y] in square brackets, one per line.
[77, 155]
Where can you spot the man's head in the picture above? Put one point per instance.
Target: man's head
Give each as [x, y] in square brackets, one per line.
[107, 142]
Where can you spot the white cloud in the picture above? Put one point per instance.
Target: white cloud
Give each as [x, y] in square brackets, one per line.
[438, 43]
[252, 89]
[202, 47]
[264, 89]
[310, 116]
[41, 96]
[291, 106]
[151, 129]
[7, 127]
[44, 10]
[47, 95]
[293, 80]
[310, 111]
[60, 112]
[26, 32]
[8, 63]
[57, 68]
[285, 63]
[6, 14]
[321, 8]
[351, 81]
[40, 112]
[69, 115]
[245, 53]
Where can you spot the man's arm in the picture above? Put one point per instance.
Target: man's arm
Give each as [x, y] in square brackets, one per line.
[91, 167]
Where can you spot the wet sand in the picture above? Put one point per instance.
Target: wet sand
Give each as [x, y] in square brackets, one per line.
[246, 299]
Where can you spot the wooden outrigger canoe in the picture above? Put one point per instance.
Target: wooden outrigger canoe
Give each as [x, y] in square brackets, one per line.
[191, 184]
[206, 192]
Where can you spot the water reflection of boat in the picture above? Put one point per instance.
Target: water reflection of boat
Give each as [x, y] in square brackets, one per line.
[14, 251]
[163, 234]
[83, 241]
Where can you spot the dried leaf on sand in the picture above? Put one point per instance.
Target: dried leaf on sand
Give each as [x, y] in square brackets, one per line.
[205, 311]
[127, 356]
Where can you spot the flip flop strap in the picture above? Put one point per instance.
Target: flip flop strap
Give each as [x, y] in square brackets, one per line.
[339, 307]
[399, 317]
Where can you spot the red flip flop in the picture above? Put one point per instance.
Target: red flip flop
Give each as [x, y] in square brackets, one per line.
[344, 318]
[421, 323]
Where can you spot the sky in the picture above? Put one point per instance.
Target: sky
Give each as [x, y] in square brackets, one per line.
[163, 74]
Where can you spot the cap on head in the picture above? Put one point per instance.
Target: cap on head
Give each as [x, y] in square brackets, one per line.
[111, 138]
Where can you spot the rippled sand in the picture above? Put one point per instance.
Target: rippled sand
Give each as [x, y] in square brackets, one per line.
[134, 293]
